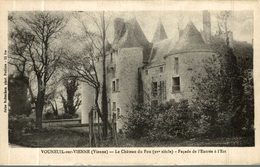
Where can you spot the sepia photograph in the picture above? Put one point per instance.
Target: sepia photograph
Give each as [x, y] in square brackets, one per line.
[131, 78]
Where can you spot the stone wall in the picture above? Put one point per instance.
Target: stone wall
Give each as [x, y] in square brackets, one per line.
[127, 63]
[123, 68]
[189, 63]
[153, 74]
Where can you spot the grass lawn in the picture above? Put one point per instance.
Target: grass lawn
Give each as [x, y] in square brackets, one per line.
[72, 138]
[52, 138]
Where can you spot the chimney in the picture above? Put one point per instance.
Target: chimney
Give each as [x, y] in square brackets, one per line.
[206, 26]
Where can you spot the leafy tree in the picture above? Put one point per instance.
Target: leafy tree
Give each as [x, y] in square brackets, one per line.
[72, 102]
[211, 98]
[17, 95]
[223, 97]
[243, 121]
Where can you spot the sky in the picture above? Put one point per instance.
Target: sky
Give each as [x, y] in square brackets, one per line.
[240, 22]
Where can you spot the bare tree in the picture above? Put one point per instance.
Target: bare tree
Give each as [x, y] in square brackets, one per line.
[98, 43]
[223, 19]
[81, 64]
[37, 34]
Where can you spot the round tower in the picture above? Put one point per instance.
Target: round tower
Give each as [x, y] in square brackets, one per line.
[184, 61]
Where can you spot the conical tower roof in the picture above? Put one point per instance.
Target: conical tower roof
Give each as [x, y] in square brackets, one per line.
[160, 33]
[190, 40]
[130, 34]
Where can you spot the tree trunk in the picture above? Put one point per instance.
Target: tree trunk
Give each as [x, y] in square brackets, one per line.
[104, 88]
[39, 108]
[96, 102]
[105, 112]
[39, 103]
[98, 109]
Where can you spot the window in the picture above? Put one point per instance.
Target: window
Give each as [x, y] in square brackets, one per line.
[161, 69]
[175, 84]
[109, 107]
[162, 90]
[111, 57]
[146, 72]
[113, 72]
[113, 86]
[118, 113]
[114, 106]
[176, 65]
[117, 84]
[95, 116]
[154, 89]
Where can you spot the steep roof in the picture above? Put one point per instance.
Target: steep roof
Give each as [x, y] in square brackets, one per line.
[130, 34]
[160, 49]
[190, 40]
[160, 33]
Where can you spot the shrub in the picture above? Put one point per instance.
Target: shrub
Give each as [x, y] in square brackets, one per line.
[19, 124]
[138, 121]
[67, 116]
[48, 116]
[172, 120]
[164, 122]
[51, 116]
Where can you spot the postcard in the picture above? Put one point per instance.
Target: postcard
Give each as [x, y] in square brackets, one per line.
[129, 82]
